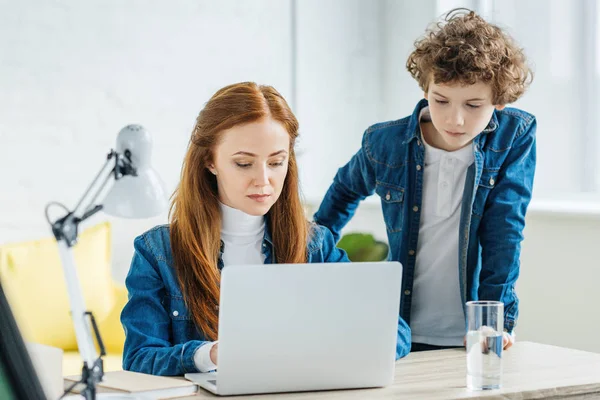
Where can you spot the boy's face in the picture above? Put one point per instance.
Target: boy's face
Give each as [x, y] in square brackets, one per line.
[459, 113]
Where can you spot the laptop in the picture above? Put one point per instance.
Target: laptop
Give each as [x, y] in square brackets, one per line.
[305, 327]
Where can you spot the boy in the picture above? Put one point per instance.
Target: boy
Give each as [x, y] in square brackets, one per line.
[455, 179]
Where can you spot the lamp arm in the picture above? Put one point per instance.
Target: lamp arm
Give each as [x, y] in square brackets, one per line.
[115, 167]
[103, 176]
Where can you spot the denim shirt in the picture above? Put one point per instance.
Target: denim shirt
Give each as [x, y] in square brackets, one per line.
[497, 192]
[161, 337]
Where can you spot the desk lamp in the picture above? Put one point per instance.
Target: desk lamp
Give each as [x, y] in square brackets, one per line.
[136, 192]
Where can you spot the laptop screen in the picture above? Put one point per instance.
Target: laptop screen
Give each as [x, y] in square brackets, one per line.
[18, 379]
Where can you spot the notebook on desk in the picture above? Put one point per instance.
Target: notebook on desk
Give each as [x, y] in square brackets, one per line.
[148, 386]
[302, 327]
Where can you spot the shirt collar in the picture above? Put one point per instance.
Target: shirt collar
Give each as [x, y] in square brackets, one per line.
[237, 223]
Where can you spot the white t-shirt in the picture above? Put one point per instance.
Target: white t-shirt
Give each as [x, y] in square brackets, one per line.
[437, 316]
[242, 237]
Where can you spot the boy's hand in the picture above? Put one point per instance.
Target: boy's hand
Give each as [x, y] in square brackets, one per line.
[507, 340]
[214, 353]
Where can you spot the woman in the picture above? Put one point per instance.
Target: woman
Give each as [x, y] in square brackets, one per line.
[238, 202]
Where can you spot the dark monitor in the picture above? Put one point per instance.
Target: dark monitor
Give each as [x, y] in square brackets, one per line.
[18, 379]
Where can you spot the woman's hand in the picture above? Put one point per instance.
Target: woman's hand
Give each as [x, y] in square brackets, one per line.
[214, 353]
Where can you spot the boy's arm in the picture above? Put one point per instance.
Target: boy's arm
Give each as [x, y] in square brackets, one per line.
[353, 183]
[501, 229]
[403, 342]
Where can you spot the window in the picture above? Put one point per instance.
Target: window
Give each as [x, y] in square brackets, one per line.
[351, 73]
[562, 40]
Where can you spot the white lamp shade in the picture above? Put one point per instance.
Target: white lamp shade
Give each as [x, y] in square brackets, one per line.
[140, 196]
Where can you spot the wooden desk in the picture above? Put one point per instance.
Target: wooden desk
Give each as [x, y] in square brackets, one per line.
[531, 371]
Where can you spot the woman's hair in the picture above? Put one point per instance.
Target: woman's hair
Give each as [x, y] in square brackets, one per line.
[466, 49]
[195, 214]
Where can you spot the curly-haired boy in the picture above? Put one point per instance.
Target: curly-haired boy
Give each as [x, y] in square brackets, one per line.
[455, 179]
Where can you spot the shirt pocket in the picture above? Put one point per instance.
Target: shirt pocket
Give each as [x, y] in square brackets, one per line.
[486, 184]
[183, 328]
[392, 202]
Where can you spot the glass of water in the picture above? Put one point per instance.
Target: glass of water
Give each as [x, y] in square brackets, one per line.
[485, 323]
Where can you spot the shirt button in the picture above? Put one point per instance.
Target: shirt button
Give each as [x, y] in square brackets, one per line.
[411, 252]
[415, 208]
[418, 167]
[444, 185]
[418, 143]
[387, 196]
[264, 245]
[407, 292]
[492, 181]
[175, 313]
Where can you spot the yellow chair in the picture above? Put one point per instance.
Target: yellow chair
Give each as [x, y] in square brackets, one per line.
[33, 279]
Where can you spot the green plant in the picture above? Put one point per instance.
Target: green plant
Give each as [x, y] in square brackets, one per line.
[363, 247]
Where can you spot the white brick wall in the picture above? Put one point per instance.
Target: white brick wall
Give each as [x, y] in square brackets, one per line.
[72, 74]
[339, 93]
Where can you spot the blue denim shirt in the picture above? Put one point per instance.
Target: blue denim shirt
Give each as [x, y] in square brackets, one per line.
[496, 195]
[161, 337]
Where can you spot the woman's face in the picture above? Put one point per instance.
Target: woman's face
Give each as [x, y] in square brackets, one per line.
[250, 164]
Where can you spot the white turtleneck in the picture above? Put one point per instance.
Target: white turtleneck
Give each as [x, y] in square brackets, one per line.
[242, 235]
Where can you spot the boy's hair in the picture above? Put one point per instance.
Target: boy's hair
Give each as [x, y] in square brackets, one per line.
[466, 49]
